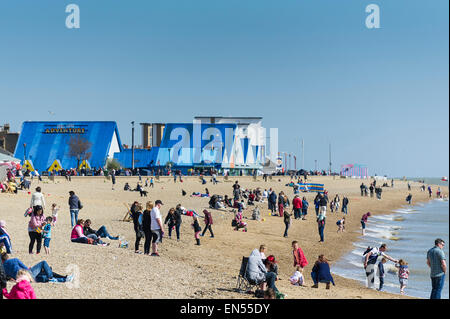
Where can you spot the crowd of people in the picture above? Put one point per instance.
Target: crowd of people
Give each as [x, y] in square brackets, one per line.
[150, 227]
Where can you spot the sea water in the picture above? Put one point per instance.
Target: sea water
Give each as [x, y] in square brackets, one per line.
[409, 233]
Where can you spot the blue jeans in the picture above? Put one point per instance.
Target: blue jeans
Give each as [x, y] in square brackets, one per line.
[80, 240]
[102, 232]
[381, 282]
[321, 228]
[177, 230]
[96, 239]
[42, 272]
[270, 280]
[74, 216]
[344, 209]
[437, 283]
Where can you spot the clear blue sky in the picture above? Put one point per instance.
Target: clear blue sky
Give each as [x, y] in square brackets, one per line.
[310, 68]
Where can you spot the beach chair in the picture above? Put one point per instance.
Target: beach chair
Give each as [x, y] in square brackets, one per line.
[128, 217]
[243, 284]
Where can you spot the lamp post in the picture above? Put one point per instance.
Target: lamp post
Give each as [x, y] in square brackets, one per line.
[132, 147]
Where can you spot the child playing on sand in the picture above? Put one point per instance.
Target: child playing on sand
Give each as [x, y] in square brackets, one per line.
[197, 229]
[47, 234]
[22, 288]
[299, 257]
[381, 273]
[54, 213]
[341, 225]
[297, 278]
[403, 274]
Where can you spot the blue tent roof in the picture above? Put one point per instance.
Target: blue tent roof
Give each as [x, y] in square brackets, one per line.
[48, 141]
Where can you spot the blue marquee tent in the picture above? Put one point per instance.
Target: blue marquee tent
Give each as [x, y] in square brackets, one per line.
[46, 142]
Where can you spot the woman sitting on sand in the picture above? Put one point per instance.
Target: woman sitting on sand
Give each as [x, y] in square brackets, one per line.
[321, 273]
[78, 235]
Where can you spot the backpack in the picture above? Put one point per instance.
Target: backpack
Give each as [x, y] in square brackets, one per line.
[372, 258]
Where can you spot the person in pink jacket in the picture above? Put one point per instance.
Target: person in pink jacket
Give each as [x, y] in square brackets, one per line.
[22, 289]
[37, 221]
[299, 257]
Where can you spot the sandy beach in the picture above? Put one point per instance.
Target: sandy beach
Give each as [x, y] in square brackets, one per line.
[185, 270]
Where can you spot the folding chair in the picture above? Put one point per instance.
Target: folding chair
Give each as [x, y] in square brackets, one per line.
[243, 284]
[128, 217]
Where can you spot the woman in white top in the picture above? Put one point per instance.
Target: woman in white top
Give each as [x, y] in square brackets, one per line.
[37, 199]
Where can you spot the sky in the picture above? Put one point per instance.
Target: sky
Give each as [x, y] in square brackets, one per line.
[310, 68]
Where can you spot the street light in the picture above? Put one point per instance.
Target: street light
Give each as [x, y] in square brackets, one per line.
[132, 148]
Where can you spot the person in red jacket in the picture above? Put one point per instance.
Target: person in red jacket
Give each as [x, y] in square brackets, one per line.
[23, 289]
[208, 223]
[299, 257]
[297, 204]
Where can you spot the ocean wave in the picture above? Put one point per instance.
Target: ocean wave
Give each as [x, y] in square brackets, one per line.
[383, 217]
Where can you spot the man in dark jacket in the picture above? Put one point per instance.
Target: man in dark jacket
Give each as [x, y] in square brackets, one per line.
[273, 201]
[74, 207]
[208, 223]
[173, 219]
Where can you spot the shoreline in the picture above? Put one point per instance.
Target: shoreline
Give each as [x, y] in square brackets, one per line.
[206, 271]
[361, 239]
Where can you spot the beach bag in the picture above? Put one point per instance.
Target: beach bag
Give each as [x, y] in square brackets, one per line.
[372, 258]
[234, 223]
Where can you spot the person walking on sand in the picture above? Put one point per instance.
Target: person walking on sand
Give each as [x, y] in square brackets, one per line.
[344, 205]
[37, 199]
[321, 226]
[305, 205]
[173, 220]
[113, 178]
[74, 207]
[438, 268]
[208, 223]
[197, 229]
[287, 222]
[370, 257]
[364, 221]
[409, 198]
[297, 206]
